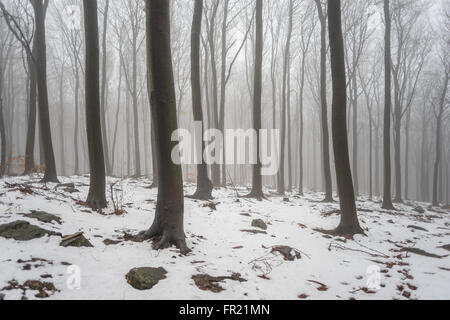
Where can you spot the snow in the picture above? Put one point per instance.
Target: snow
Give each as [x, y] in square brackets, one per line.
[220, 248]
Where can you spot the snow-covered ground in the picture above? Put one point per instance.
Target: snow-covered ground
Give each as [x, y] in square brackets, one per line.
[329, 268]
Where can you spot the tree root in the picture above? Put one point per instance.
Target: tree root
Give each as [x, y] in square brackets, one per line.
[163, 240]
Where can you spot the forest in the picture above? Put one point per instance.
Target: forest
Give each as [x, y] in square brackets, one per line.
[224, 149]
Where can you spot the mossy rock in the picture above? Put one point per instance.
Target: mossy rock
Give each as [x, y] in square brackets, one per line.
[258, 223]
[145, 278]
[43, 217]
[24, 231]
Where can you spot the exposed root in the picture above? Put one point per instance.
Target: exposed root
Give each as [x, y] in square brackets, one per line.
[163, 240]
[345, 232]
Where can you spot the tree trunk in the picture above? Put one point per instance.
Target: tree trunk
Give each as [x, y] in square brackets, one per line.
[281, 173]
[257, 191]
[349, 224]
[168, 224]
[204, 185]
[324, 111]
[40, 8]
[61, 121]
[387, 194]
[31, 128]
[96, 197]
[103, 92]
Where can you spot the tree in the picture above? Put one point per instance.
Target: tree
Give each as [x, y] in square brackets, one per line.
[323, 99]
[23, 31]
[307, 31]
[103, 91]
[349, 224]
[96, 197]
[439, 112]
[204, 185]
[40, 9]
[387, 194]
[167, 227]
[5, 50]
[257, 191]
[281, 183]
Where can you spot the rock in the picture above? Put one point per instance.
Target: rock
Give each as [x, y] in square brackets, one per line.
[258, 223]
[76, 240]
[43, 217]
[24, 231]
[145, 278]
[419, 209]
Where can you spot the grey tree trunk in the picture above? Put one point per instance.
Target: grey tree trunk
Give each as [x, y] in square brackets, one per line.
[387, 194]
[349, 224]
[324, 108]
[204, 185]
[257, 191]
[168, 224]
[103, 91]
[96, 197]
[40, 8]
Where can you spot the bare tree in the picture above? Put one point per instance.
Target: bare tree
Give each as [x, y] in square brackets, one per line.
[96, 196]
[204, 185]
[387, 194]
[349, 224]
[324, 107]
[168, 224]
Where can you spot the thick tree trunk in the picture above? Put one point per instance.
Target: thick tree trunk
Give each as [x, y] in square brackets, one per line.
[387, 194]
[40, 8]
[96, 197]
[257, 191]
[204, 185]
[168, 224]
[349, 224]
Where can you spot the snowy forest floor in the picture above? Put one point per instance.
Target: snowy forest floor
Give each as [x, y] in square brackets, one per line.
[223, 243]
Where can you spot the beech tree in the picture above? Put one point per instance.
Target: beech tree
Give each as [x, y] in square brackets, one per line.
[168, 227]
[323, 101]
[204, 185]
[387, 194]
[257, 191]
[96, 196]
[40, 10]
[349, 224]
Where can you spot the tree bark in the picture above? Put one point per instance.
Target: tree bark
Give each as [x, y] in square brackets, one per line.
[96, 197]
[40, 8]
[324, 111]
[31, 128]
[168, 224]
[204, 185]
[103, 92]
[257, 191]
[387, 194]
[349, 224]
